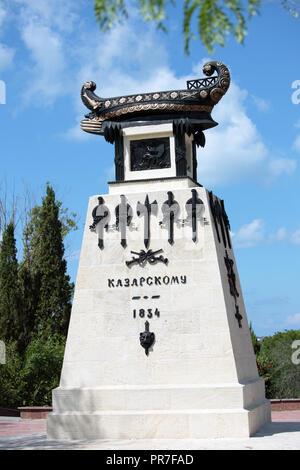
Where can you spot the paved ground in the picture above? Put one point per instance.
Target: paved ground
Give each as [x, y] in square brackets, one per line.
[282, 434]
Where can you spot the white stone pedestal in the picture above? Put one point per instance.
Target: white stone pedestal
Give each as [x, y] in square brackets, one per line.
[200, 377]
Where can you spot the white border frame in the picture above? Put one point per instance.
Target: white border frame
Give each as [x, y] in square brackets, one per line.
[148, 132]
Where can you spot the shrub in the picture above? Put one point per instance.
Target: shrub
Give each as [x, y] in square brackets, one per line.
[284, 374]
[29, 381]
[11, 378]
[41, 371]
[265, 370]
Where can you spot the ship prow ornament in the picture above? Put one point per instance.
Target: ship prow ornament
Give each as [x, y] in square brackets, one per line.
[158, 344]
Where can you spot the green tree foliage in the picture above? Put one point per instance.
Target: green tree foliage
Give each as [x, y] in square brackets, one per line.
[32, 273]
[31, 233]
[214, 20]
[35, 304]
[11, 389]
[55, 290]
[29, 380]
[41, 370]
[276, 363]
[265, 370]
[284, 373]
[10, 326]
[29, 294]
[292, 6]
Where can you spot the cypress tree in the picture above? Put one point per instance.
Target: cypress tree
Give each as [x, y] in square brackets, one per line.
[29, 293]
[55, 290]
[10, 323]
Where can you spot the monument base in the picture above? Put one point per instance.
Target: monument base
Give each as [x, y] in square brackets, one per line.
[198, 377]
[187, 411]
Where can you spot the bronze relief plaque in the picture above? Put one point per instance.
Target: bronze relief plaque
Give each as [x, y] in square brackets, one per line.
[150, 154]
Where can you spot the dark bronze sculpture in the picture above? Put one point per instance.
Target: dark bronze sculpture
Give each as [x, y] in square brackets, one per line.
[194, 103]
[147, 338]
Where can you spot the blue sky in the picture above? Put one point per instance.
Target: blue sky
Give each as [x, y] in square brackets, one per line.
[48, 49]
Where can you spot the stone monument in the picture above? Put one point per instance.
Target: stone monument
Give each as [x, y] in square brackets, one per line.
[158, 343]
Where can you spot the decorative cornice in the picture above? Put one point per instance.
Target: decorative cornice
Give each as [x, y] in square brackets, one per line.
[94, 125]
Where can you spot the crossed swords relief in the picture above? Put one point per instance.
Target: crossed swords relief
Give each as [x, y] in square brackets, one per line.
[124, 214]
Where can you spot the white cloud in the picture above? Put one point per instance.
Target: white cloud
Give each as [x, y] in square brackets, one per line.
[279, 166]
[296, 144]
[112, 64]
[76, 133]
[261, 104]
[294, 319]
[54, 14]
[6, 53]
[279, 236]
[6, 56]
[254, 233]
[45, 29]
[47, 53]
[235, 150]
[3, 14]
[295, 237]
[249, 234]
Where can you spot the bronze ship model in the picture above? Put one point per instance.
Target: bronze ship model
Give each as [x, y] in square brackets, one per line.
[190, 108]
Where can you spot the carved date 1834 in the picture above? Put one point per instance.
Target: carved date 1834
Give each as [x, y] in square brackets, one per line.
[146, 313]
